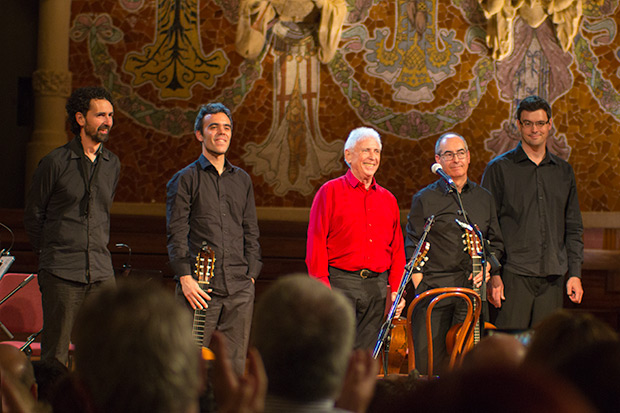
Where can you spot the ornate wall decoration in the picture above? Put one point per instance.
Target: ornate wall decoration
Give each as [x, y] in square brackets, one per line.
[502, 14]
[420, 56]
[175, 62]
[300, 35]
[537, 66]
[294, 103]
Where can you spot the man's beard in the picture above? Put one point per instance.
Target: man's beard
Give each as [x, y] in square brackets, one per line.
[96, 135]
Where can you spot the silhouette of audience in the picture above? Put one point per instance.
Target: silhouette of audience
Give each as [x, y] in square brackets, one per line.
[498, 350]
[134, 352]
[563, 333]
[304, 334]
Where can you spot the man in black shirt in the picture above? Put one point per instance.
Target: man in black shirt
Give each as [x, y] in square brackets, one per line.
[448, 264]
[67, 217]
[212, 201]
[538, 210]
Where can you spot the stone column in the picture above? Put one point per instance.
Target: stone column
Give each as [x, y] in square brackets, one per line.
[51, 82]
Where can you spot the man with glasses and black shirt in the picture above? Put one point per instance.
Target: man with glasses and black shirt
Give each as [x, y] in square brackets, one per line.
[448, 264]
[538, 210]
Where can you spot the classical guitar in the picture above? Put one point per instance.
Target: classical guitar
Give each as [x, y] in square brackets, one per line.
[473, 246]
[414, 264]
[205, 263]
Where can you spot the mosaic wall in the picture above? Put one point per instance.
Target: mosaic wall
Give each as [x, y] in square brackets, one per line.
[412, 69]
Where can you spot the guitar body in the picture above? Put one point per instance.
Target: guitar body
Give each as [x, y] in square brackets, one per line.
[205, 261]
[455, 329]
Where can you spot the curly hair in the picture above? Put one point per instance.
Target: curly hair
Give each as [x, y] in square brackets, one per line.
[79, 101]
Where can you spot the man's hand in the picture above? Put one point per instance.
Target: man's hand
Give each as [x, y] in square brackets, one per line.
[495, 291]
[478, 278]
[416, 279]
[196, 296]
[234, 394]
[359, 382]
[401, 305]
[574, 289]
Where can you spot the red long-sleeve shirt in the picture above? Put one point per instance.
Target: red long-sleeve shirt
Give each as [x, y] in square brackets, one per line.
[352, 228]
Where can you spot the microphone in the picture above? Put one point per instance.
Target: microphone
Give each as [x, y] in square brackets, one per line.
[438, 170]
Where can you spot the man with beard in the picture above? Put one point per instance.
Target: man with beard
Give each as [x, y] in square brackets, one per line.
[67, 217]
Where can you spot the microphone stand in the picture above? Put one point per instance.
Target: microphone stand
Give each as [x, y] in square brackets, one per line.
[484, 243]
[26, 347]
[383, 340]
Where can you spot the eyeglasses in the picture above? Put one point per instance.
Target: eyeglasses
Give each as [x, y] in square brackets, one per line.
[527, 124]
[448, 156]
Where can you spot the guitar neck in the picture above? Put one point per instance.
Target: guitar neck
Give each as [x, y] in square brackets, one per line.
[198, 326]
[476, 267]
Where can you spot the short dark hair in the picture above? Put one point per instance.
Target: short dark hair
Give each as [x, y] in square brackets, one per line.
[210, 109]
[79, 101]
[532, 104]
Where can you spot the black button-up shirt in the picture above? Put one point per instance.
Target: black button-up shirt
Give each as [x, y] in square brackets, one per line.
[67, 213]
[448, 263]
[219, 209]
[538, 212]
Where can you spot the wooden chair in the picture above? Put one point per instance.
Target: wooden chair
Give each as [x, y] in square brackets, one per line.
[464, 335]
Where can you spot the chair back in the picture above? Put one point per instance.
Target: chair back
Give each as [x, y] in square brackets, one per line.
[463, 336]
[22, 312]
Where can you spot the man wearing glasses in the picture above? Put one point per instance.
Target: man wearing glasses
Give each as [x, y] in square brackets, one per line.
[448, 264]
[538, 210]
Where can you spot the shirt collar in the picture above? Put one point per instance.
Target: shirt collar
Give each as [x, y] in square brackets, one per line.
[205, 163]
[444, 186]
[354, 182]
[78, 150]
[521, 156]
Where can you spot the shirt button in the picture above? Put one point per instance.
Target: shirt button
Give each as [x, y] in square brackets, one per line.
[369, 240]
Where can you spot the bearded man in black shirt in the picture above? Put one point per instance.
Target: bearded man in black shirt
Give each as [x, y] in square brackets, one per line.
[448, 264]
[538, 210]
[67, 217]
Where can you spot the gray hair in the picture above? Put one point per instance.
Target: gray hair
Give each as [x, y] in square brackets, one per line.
[358, 134]
[134, 351]
[448, 135]
[304, 333]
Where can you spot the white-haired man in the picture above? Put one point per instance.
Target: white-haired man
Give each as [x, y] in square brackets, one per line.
[355, 241]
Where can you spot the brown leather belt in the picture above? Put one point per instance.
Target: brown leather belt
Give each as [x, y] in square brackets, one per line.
[364, 273]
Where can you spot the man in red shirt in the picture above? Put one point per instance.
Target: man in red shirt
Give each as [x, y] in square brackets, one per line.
[355, 241]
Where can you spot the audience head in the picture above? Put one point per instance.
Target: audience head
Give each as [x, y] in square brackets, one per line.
[394, 394]
[563, 333]
[500, 350]
[595, 371]
[505, 389]
[304, 333]
[15, 363]
[134, 351]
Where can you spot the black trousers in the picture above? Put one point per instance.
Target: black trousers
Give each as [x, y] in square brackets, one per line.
[62, 300]
[368, 299]
[232, 316]
[528, 300]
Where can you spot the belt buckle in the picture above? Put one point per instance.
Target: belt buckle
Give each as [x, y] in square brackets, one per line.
[364, 273]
